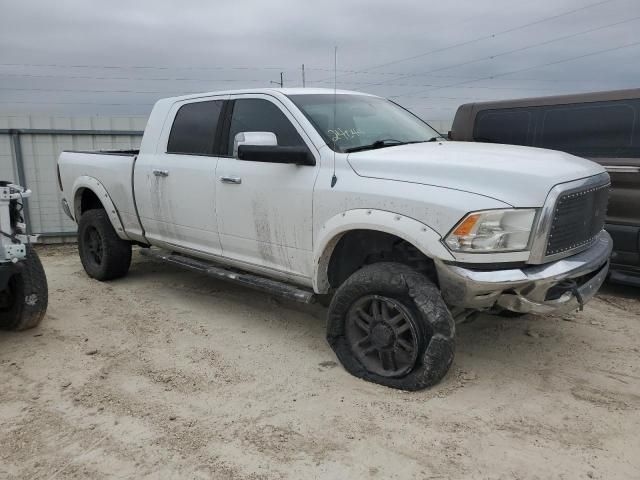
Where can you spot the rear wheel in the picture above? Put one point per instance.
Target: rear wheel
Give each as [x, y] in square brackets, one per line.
[23, 302]
[388, 324]
[104, 255]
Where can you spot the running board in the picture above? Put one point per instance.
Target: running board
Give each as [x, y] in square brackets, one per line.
[273, 287]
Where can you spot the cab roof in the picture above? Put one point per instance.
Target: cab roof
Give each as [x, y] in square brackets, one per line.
[270, 91]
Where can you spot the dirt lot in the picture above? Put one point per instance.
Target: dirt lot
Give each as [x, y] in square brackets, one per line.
[167, 374]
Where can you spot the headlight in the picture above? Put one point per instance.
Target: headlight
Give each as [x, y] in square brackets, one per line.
[492, 231]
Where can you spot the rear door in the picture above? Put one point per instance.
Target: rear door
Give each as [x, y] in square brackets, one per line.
[175, 187]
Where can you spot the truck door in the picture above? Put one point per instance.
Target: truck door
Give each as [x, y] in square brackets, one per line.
[265, 209]
[175, 187]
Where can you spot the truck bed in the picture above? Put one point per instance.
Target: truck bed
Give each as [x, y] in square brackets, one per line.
[113, 169]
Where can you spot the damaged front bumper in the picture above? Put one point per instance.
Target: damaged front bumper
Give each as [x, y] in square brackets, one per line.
[555, 287]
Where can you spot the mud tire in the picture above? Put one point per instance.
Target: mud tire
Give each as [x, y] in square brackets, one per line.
[103, 254]
[431, 321]
[26, 296]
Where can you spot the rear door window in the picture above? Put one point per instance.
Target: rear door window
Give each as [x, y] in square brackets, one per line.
[510, 126]
[596, 129]
[194, 128]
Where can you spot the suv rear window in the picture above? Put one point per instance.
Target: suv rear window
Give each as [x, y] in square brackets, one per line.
[194, 128]
[590, 129]
[503, 126]
[595, 129]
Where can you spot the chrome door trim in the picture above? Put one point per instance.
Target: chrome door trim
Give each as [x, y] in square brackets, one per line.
[233, 180]
[160, 173]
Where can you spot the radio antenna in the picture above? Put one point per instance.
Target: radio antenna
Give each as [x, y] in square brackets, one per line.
[334, 179]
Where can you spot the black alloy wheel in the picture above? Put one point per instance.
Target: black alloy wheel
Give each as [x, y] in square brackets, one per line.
[383, 335]
[93, 242]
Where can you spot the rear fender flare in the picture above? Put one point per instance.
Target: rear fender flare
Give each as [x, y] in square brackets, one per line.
[90, 183]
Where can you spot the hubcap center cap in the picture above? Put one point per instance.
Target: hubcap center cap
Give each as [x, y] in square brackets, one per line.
[382, 335]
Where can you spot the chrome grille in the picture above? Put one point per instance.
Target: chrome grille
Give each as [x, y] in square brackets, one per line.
[578, 217]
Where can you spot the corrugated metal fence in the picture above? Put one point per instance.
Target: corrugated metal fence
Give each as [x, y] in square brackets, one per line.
[30, 147]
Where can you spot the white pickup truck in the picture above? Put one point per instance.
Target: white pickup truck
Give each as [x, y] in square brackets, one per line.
[313, 193]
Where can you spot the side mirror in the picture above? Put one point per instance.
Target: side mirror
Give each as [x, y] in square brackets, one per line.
[253, 138]
[276, 154]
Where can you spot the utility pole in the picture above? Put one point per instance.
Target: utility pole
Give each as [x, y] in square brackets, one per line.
[281, 82]
[304, 83]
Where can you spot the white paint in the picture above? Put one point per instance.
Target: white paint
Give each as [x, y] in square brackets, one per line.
[519, 176]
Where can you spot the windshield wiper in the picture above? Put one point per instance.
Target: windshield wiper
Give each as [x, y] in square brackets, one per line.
[377, 144]
[432, 139]
[389, 142]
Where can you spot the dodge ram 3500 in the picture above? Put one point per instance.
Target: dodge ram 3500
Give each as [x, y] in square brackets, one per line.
[346, 196]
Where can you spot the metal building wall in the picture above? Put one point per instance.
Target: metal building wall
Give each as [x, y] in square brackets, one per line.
[30, 146]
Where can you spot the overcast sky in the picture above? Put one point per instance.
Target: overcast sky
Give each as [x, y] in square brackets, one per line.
[118, 57]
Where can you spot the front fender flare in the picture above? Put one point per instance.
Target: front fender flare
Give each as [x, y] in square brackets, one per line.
[98, 189]
[421, 236]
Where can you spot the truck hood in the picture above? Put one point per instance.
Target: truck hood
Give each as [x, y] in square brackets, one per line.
[519, 176]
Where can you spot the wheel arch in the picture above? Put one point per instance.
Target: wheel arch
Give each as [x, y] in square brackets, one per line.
[89, 193]
[417, 234]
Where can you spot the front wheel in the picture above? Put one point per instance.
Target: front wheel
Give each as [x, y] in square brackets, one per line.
[23, 302]
[388, 324]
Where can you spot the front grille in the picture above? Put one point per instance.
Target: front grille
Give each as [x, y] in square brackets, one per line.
[578, 217]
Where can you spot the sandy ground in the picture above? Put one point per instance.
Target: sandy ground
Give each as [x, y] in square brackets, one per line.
[168, 374]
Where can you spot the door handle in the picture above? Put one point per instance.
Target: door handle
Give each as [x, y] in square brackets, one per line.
[160, 173]
[234, 180]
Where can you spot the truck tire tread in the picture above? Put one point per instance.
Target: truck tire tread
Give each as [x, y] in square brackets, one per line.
[31, 295]
[116, 252]
[404, 283]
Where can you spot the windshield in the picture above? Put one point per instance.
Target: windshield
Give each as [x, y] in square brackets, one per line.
[362, 122]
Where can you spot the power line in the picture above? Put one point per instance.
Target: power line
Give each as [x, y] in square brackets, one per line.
[137, 67]
[487, 87]
[74, 90]
[80, 103]
[490, 77]
[212, 81]
[164, 79]
[252, 80]
[178, 67]
[109, 67]
[20, 89]
[509, 52]
[485, 37]
[182, 92]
